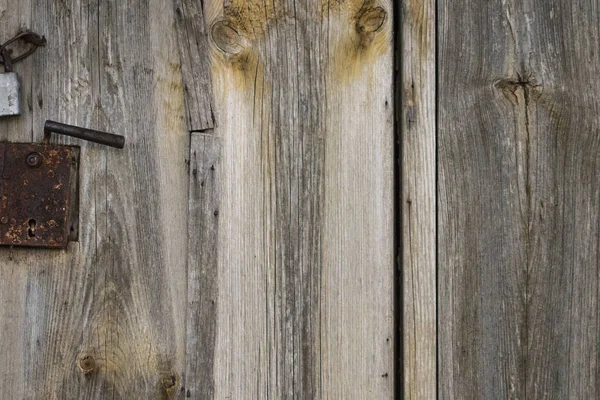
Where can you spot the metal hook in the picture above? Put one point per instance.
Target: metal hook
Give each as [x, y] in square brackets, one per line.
[27, 36]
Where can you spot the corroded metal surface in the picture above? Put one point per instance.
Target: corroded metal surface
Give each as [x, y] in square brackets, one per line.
[36, 196]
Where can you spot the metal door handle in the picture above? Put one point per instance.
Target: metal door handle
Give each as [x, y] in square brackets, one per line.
[91, 135]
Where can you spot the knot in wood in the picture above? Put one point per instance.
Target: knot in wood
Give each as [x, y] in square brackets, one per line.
[87, 364]
[169, 381]
[371, 20]
[227, 38]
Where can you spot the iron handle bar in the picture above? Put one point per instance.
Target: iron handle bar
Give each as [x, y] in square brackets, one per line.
[90, 135]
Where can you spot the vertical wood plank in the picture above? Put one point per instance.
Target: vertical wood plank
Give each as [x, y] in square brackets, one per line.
[417, 53]
[59, 283]
[144, 279]
[560, 44]
[203, 268]
[13, 17]
[195, 62]
[518, 199]
[105, 318]
[482, 254]
[304, 100]
[357, 291]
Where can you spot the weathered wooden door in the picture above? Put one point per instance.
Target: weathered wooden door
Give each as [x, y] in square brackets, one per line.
[241, 245]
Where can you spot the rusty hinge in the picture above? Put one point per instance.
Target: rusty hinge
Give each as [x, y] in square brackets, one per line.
[39, 188]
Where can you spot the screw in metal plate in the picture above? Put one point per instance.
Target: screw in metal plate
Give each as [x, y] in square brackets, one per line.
[34, 160]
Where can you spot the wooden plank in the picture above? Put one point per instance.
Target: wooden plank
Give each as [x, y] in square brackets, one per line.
[203, 267]
[14, 280]
[13, 18]
[564, 171]
[357, 289]
[105, 318]
[303, 92]
[418, 198]
[482, 254]
[59, 283]
[519, 168]
[194, 52]
[145, 279]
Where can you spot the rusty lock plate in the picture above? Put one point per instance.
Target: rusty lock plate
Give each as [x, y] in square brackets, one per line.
[39, 188]
[38, 194]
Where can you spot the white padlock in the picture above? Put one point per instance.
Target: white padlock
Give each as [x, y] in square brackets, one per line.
[10, 94]
[11, 102]
[10, 89]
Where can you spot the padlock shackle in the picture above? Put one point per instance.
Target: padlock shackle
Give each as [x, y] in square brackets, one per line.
[90, 135]
[6, 60]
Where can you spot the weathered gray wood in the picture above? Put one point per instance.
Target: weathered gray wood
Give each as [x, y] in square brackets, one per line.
[519, 200]
[303, 92]
[14, 280]
[105, 318]
[194, 52]
[59, 284]
[418, 199]
[146, 200]
[15, 16]
[301, 251]
[203, 271]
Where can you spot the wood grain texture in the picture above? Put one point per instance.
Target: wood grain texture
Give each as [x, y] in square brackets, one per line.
[519, 195]
[304, 102]
[18, 129]
[203, 265]
[14, 280]
[417, 54]
[105, 318]
[195, 63]
[291, 235]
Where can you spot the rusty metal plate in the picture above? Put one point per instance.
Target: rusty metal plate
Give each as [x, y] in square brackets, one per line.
[38, 194]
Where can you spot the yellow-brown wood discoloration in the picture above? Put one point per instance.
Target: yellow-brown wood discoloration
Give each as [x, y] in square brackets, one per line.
[417, 14]
[168, 82]
[367, 39]
[353, 7]
[252, 18]
[227, 38]
[362, 35]
[233, 40]
[243, 70]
